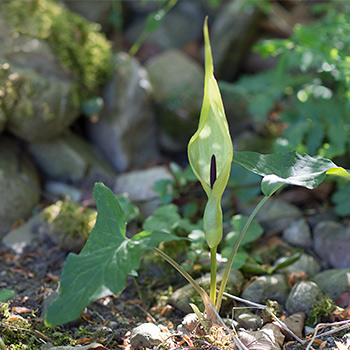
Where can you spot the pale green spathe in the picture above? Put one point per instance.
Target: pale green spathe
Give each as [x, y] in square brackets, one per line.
[211, 138]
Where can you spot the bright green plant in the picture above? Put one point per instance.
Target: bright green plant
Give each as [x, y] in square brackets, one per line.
[108, 256]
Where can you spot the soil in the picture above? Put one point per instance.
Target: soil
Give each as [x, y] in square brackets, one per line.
[34, 276]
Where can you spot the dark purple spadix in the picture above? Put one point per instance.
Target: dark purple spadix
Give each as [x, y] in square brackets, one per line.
[212, 171]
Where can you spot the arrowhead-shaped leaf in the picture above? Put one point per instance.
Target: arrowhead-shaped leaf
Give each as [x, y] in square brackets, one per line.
[104, 263]
[288, 168]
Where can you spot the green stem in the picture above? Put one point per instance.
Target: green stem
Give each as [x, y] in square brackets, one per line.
[138, 289]
[234, 251]
[213, 269]
[194, 284]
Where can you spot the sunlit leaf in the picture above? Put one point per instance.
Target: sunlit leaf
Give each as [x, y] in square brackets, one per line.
[288, 168]
[104, 263]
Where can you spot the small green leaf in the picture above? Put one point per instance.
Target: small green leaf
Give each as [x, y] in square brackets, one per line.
[288, 168]
[6, 294]
[104, 263]
[210, 150]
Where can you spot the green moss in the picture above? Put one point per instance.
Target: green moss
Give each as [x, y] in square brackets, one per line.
[76, 42]
[70, 218]
[321, 310]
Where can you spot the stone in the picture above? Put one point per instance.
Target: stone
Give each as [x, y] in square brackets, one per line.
[178, 96]
[94, 10]
[19, 184]
[303, 296]
[275, 215]
[298, 234]
[334, 282]
[71, 158]
[233, 31]
[332, 243]
[270, 287]
[44, 74]
[22, 236]
[183, 25]
[306, 264]
[125, 131]
[248, 320]
[185, 295]
[147, 335]
[139, 185]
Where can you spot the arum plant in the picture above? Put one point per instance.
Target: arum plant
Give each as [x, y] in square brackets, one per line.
[210, 154]
[109, 257]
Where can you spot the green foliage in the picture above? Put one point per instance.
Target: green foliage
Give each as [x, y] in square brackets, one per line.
[310, 87]
[6, 294]
[321, 310]
[77, 43]
[254, 232]
[104, 263]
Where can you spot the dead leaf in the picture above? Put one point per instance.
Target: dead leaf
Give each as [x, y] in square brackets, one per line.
[343, 300]
[340, 346]
[268, 338]
[294, 323]
[93, 346]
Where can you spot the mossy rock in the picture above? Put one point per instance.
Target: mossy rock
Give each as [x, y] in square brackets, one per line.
[51, 61]
[69, 223]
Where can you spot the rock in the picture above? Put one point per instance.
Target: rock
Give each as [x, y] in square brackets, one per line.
[306, 264]
[236, 104]
[139, 186]
[125, 131]
[232, 33]
[69, 224]
[294, 323]
[303, 296]
[187, 294]
[334, 282]
[46, 72]
[71, 158]
[276, 215]
[269, 287]
[248, 320]
[94, 11]
[21, 237]
[183, 24]
[19, 184]
[178, 95]
[44, 109]
[332, 243]
[62, 190]
[147, 335]
[298, 234]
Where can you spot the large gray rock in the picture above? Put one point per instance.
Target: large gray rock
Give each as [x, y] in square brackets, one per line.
[35, 89]
[273, 287]
[298, 234]
[71, 158]
[139, 185]
[185, 295]
[305, 264]
[95, 10]
[334, 282]
[332, 243]
[177, 82]
[232, 33]
[275, 215]
[126, 131]
[19, 184]
[303, 296]
[182, 25]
